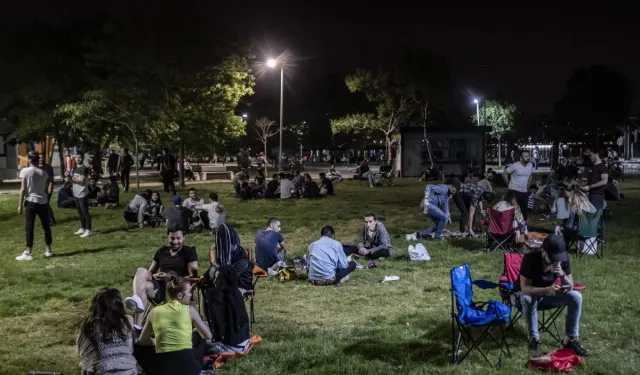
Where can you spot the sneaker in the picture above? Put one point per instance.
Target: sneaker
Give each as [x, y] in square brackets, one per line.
[25, 256]
[80, 231]
[134, 304]
[48, 253]
[534, 348]
[86, 233]
[575, 345]
[411, 237]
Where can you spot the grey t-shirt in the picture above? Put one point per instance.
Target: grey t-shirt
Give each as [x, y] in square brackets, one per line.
[36, 181]
[81, 190]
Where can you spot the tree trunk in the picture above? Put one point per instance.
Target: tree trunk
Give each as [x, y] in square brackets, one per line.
[181, 167]
[49, 155]
[265, 159]
[425, 113]
[499, 152]
[61, 156]
[135, 140]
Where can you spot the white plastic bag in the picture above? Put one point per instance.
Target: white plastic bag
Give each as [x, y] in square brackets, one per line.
[419, 252]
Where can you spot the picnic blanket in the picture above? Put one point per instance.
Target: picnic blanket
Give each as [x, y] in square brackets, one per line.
[221, 359]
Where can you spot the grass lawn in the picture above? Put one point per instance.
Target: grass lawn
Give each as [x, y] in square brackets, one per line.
[362, 327]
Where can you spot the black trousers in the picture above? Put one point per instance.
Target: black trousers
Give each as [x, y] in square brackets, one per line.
[31, 210]
[52, 218]
[167, 181]
[124, 178]
[523, 202]
[464, 211]
[353, 249]
[340, 274]
[82, 204]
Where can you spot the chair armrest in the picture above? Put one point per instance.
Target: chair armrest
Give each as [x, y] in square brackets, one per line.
[484, 284]
[507, 286]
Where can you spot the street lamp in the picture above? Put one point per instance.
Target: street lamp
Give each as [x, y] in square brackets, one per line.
[244, 115]
[272, 63]
[477, 110]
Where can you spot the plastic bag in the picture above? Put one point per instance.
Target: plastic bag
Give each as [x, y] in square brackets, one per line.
[419, 252]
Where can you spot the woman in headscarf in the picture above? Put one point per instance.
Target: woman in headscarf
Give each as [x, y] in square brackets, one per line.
[227, 251]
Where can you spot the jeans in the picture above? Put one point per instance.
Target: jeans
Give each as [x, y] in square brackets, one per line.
[368, 176]
[464, 212]
[571, 299]
[52, 218]
[353, 249]
[82, 204]
[523, 202]
[341, 274]
[440, 219]
[31, 210]
[597, 201]
[124, 178]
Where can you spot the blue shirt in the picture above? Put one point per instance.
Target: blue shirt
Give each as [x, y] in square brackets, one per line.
[438, 196]
[267, 248]
[325, 257]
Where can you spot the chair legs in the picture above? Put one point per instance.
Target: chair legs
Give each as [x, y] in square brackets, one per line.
[464, 336]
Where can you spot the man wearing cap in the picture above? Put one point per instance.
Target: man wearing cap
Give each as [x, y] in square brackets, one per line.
[177, 215]
[538, 290]
[80, 179]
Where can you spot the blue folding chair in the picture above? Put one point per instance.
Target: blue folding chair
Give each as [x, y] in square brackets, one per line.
[467, 314]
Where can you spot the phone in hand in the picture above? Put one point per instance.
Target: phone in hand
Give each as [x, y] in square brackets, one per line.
[566, 288]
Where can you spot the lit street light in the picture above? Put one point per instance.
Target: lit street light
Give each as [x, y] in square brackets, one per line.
[272, 63]
[477, 110]
[244, 115]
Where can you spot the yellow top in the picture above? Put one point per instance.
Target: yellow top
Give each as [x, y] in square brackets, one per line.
[172, 327]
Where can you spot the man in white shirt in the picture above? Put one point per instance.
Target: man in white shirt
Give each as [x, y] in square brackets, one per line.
[33, 194]
[520, 173]
[216, 213]
[194, 203]
[285, 186]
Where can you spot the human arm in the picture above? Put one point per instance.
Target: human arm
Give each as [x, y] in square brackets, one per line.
[80, 177]
[362, 239]
[472, 212]
[141, 212]
[385, 240]
[147, 331]
[199, 325]
[23, 190]
[506, 173]
[527, 288]
[342, 262]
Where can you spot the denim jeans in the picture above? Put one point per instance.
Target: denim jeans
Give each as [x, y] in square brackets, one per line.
[82, 204]
[571, 299]
[368, 176]
[440, 219]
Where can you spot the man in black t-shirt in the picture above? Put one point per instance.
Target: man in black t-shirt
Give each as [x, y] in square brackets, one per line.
[149, 283]
[597, 178]
[539, 290]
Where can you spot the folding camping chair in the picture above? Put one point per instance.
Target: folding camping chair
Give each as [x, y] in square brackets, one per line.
[500, 233]
[466, 314]
[250, 294]
[546, 316]
[590, 232]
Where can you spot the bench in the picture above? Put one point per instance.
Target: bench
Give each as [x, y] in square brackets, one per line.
[216, 175]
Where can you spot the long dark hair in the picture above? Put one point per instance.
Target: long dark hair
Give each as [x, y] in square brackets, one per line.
[107, 316]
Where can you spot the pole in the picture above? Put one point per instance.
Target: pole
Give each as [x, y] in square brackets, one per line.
[301, 151]
[281, 111]
[477, 112]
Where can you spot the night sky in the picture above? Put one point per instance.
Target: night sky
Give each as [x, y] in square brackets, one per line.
[524, 54]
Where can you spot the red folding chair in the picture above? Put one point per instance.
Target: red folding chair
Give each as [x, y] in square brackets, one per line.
[500, 233]
[511, 276]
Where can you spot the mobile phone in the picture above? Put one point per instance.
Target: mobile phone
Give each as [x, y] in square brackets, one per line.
[565, 287]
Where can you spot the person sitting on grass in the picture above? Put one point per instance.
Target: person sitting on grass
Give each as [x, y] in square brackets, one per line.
[149, 284]
[216, 213]
[310, 188]
[110, 193]
[105, 341]
[328, 263]
[273, 187]
[136, 208]
[285, 185]
[193, 203]
[177, 215]
[65, 196]
[373, 242]
[297, 181]
[326, 185]
[172, 325]
[270, 245]
[153, 213]
[436, 206]
[538, 289]
[237, 180]
[334, 175]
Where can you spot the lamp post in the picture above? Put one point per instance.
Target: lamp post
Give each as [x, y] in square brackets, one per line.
[477, 110]
[272, 63]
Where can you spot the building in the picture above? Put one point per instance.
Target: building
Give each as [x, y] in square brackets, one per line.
[8, 151]
[455, 151]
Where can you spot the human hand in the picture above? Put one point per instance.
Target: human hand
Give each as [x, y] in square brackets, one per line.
[449, 218]
[363, 251]
[586, 188]
[557, 270]
[554, 290]
[20, 210]
[160, 276]
[426, 204]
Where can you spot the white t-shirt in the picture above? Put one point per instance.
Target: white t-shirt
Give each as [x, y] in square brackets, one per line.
[285, 188]
[486, 185]
[216, 213]
[36, 181]
[191, 203]
[519, 176]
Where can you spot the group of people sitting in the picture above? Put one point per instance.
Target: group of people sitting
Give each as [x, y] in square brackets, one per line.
[282, 185]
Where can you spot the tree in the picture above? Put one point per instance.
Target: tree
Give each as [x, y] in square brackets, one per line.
[500, 117]
[299, 131]
[265, 129]
[382, 90]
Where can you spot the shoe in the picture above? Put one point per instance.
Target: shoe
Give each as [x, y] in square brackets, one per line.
[86, 233]
[411, 237]
[134, 303]
[575, 345]
[25, 256]
[80, 231]
[48, 253]
[534, 347]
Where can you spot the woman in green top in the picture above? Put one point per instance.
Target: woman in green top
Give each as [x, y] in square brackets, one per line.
[172, 325]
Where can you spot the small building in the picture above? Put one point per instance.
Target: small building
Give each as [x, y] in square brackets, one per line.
[455, 151]
[8, 151]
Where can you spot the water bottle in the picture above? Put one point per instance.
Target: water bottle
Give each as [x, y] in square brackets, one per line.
[525, 231]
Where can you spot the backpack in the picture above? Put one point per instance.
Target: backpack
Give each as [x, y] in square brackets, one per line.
[561, 360]
[287, 274]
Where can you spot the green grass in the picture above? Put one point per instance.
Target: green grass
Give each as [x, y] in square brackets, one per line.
[362, 327]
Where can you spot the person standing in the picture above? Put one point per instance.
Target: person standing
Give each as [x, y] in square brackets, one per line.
[168, 170]
[33, 195]
[69, 165]
[597, 179]
[125, 161]
[520, 174]
[536, 157]
[80, 179]
[49, 170]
